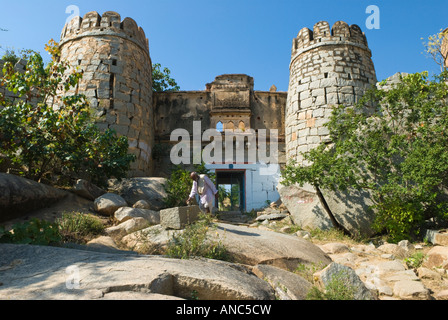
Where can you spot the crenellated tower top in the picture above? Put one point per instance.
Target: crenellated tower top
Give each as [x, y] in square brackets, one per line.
[109, 24]
[340, 34]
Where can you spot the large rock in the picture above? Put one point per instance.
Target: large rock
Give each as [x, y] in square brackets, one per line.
[254, 246]
[350, 209]
[437, 237]
[50, 273]
[19, 196]
[87, 190]
[179, 217]
[125, 213]
[411, 290]
[127, 227]
[348, 276]
[108, 203]
[151, 240]
[288, 285]
[151, 190]
[142, 204]
[437, 257]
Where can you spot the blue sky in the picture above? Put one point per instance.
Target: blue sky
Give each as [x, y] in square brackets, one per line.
[201, 39]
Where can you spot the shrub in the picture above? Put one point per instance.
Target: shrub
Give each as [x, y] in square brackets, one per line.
[78, 227]
[178, 186]
[33, 232]
[415, 261]
[338, 288]
[55, 138]
[195, 242]
[307, 271]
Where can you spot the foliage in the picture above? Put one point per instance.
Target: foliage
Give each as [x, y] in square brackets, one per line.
[161, 79]
[434, 48]
[332, 235]
[55, 142]
[338, 288]
[415, 261]
[71, 227]
[307, 271]
[178, 186]
[13, 57]
[393, 144]
[33, 232]
[222, 194]
[78, 227]
[195, 242]
[228, 200]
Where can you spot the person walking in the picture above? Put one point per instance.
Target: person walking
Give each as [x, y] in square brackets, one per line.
[204, 187]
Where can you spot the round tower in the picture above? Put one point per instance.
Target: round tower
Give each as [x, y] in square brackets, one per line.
[328, 68]
[114, 56]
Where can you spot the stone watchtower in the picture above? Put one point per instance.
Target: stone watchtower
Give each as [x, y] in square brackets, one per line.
[328, 68]
[114, 56]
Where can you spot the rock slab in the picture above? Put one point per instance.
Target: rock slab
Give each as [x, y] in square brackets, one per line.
[288, 285]
[255, 246]
[50, 273]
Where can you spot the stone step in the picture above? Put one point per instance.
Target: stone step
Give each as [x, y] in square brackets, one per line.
[232, 216]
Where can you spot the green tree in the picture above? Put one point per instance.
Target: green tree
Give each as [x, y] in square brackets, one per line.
[161, 79]
[50, 135]
[394, 144]
[13, 57]
[435, 48]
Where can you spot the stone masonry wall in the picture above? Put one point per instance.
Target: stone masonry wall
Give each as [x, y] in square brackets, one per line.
[229, 99]
[328, 68]
[114, 56]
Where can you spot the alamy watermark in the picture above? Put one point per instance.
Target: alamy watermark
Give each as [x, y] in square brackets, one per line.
[73, 10]
[73, 279]
[227, 147]
[373, 20]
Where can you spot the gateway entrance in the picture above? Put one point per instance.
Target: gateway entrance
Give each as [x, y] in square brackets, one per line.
[231, 187]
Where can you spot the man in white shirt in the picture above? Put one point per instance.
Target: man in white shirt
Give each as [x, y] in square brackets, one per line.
[204, 187]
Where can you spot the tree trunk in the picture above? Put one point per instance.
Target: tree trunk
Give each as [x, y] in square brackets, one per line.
[328, 211]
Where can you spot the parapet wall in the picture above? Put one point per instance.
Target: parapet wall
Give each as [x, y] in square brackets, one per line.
[117, 79]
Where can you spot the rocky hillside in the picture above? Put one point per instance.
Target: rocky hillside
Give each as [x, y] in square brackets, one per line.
[268, 257]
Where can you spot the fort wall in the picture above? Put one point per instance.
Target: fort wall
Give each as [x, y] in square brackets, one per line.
[229, 100]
